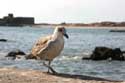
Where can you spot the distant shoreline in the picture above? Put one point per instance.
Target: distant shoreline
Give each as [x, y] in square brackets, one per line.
[84, 27]
[94, 24]
[99, 25]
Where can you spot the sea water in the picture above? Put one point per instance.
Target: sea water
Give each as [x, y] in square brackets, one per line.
[81, 42]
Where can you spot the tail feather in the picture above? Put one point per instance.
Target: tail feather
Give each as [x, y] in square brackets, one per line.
[30, 56]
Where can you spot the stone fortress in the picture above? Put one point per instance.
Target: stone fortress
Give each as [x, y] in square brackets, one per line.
[10, 20]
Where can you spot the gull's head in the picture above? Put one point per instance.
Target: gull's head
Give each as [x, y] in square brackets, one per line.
[61, 30]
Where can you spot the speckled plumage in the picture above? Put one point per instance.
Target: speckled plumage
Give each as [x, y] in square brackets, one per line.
[49, 47]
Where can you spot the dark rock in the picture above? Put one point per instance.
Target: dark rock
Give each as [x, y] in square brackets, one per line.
[117, 54]
[104, 53]
[3, 40]
[101, 53]
[15, 54]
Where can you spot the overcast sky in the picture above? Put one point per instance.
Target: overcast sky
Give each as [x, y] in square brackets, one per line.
[57, 11]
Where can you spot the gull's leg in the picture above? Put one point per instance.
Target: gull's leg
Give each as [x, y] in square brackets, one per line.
[50, 68]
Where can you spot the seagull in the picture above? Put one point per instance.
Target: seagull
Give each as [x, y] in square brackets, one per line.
[49, 47]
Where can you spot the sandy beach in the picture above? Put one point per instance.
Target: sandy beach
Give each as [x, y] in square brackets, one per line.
[13, 75]
[77, 27]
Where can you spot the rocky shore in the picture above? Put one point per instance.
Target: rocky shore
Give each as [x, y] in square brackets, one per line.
[13, 75]
[94, 24]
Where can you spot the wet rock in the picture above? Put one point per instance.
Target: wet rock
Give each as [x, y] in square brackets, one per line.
[3, 40]
[117, 31]
[104, 53]
[15, 54]
[117, 54]
[101, 53]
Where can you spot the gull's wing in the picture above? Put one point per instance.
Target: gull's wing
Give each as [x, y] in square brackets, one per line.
[41, 44]
[47, 51]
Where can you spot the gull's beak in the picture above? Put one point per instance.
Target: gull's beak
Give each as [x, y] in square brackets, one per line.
[66, 35]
